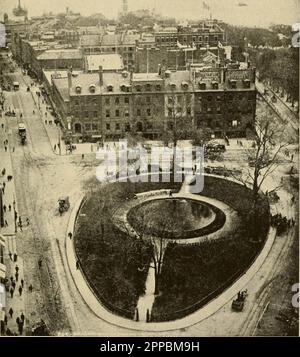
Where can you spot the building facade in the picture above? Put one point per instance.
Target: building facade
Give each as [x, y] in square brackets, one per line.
[220, 100]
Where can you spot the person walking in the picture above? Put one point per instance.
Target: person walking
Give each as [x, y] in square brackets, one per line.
[22, 317]
[20, 290]
[5, 319]
[15, 257]
[30, 288]
[11, 312]
[13, 284]
[22, 283]
[17, 268]
[10, 256]
[40, 262]
[17, 276]
[70, 235]
[4, 208]
[18, 320]
[9, 208]
[11, 292]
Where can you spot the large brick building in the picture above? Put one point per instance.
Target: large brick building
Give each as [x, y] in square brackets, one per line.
[110, 104]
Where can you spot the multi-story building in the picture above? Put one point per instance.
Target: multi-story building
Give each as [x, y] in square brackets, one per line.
[205, 35]
[221, 100]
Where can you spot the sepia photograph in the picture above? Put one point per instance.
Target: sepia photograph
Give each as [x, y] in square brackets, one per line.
[149, 182]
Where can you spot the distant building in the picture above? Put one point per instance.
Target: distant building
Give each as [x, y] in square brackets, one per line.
[221, 100]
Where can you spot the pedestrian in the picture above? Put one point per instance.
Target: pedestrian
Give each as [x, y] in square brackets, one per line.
[27, 221]
[10, 255]
[82, 156]
[22, 283]
[292, 157]
[33, 112]
[17, 268]
[5, 319]
[55, 147]
[15, 257]
[40, 262]
[77, 264]
[11, 278]
[17, 276]
[5, 148]
[11, 312]
[9, 208]
[20, 328]
[4, 208]
[147, 316]
[30, 288]
[18, 320]
[11, 292]
[20, 290]
[13, 149]
[4, 184]
[70, 235]
[22, 317]
[13, 284]
[46, 122]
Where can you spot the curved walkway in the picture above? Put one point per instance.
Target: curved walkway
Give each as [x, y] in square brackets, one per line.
[196, 317]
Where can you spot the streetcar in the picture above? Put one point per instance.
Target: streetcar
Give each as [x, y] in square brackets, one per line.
[22, 132]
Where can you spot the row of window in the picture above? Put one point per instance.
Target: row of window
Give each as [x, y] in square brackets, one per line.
[230, 98]
[139, 126]
[164, 39]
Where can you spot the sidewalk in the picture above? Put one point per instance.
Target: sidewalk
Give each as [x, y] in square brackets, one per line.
[16, 300]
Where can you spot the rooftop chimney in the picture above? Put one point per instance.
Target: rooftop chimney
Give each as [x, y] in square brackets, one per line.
[101, 76]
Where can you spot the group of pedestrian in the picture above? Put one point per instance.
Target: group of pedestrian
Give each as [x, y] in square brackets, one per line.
[20, 320]
[282, 223]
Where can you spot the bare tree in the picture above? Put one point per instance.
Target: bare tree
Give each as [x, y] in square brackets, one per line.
[263, 157]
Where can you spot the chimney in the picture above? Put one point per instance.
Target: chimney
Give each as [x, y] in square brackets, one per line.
[101, 76]
[69, 80]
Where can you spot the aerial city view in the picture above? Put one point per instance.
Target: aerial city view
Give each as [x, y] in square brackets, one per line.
[149, 168]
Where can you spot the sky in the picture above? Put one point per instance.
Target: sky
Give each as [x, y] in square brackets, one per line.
[260, 13]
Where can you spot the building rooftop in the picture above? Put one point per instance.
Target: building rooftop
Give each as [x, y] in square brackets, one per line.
[61, 54]
[146, 77]
[109, 62]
